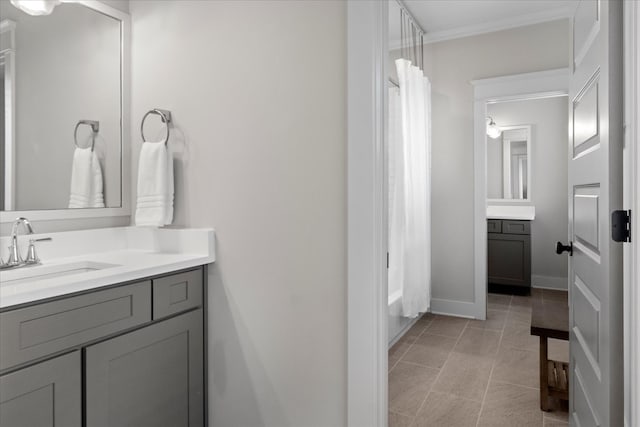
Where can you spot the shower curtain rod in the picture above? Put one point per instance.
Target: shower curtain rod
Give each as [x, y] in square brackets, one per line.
[410, 16]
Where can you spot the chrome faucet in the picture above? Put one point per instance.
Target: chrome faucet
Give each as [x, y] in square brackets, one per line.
[15, 258]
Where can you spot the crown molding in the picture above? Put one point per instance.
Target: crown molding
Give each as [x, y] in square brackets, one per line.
[539, 84]
[493, 26]
[397, 44]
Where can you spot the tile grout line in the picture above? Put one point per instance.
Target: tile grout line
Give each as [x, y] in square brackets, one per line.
[517, 385]
[410, 345]
[417, 364]
[401, 415]
[493, 365]
[441, 369]
[400, 359]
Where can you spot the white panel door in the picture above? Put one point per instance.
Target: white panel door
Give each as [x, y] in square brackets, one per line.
[595, 190]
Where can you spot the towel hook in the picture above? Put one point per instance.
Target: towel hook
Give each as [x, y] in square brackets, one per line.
[95, 128]
[165, 116]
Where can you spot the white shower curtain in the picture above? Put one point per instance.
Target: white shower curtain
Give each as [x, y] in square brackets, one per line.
[410, 193]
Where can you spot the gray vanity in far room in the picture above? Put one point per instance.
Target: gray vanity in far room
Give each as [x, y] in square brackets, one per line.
[510, 209]
[509, 254]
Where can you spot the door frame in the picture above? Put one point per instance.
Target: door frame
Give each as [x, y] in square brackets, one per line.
[366, 234]
[541, 84]
[631, 184]
[367, 299]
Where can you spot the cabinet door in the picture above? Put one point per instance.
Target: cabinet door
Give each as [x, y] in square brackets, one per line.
[509, 259]
[150, 377]
[45, 394]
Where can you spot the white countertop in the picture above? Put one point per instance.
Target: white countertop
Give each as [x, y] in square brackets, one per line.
[123, 254]
[527, 213]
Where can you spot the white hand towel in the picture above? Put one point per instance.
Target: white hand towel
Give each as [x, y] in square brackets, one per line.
[86, 180]
[155, 185]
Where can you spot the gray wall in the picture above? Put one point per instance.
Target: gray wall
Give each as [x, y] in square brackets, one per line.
[549, 133]
[258, 95]
[451, 66]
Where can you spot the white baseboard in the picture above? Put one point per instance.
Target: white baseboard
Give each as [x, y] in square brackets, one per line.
[443, 307]
[403, 331]
[454, 308]
[548, 282]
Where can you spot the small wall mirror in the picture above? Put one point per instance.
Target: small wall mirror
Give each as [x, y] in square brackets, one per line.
[62, 89]
[509, 164]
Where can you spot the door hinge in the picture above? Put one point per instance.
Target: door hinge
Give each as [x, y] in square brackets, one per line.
[621, 226]
[387, 260]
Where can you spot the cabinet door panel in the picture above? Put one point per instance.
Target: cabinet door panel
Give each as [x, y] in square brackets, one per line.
[509, 259]
[150, 377]
[46, 394]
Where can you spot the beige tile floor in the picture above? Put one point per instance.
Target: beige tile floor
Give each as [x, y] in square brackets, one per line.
[454, 372]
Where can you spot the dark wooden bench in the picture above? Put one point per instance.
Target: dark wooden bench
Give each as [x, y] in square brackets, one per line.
[551, 320]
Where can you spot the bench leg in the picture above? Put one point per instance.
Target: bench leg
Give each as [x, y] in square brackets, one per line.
[544, 375]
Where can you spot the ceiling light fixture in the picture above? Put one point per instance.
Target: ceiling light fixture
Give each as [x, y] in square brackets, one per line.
[36, 7]
[493, 131]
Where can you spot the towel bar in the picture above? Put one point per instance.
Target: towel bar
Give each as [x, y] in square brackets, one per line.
[95, 128]
[165, 116]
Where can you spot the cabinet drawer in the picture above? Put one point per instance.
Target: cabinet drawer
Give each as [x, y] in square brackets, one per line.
[43, 329]
[516, 227]
[494, 226]
[176, 293]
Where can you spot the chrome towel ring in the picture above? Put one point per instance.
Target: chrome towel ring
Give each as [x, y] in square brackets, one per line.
[165, 116]
[95, 128]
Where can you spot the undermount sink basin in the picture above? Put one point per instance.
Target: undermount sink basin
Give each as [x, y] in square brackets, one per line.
[41, 272]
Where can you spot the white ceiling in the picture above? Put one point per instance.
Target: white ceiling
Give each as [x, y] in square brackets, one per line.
[449, 19]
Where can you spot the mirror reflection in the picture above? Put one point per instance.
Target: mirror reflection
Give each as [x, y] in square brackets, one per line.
[61, 138]
[508, 162]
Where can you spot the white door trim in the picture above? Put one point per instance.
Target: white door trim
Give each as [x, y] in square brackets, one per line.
[367, 302]
[632, 201]
[541, 84]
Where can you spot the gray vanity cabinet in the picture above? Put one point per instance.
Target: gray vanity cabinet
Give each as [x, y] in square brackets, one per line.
[148, 378]
[126, 355]
[509, 253]
[46, 394]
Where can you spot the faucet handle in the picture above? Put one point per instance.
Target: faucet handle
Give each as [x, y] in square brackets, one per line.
[42, 239]
[32, 256]
[14, 256]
